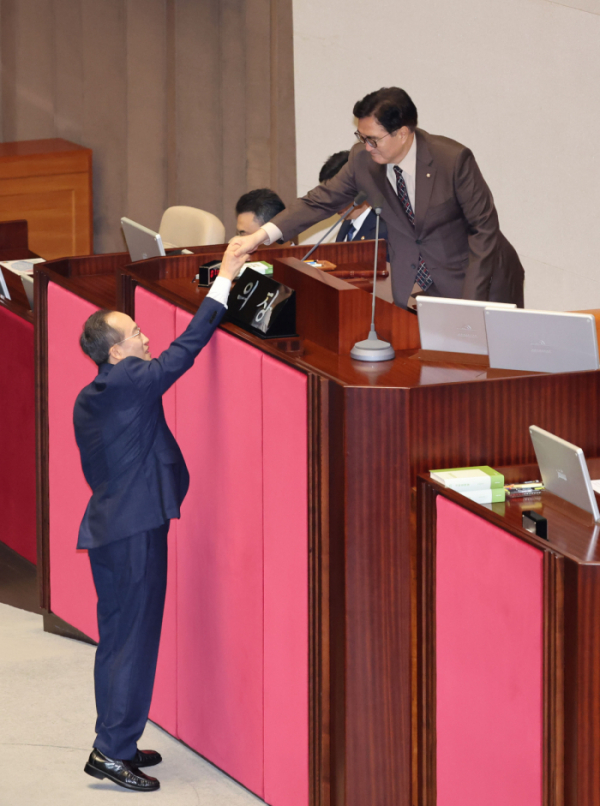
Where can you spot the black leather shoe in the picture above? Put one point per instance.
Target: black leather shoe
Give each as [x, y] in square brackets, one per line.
[146, 758]
[119, 772]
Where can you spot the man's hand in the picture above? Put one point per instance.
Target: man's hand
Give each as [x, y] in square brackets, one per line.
[246, 244]
[231, 264]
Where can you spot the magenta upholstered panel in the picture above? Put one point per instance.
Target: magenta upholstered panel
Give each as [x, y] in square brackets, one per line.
[489, 663]
[156, 318]
[17, 418]
[220, 559]
[285, 467]
[72, 593]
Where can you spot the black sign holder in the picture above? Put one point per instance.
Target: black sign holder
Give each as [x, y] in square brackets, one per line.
[262, 306]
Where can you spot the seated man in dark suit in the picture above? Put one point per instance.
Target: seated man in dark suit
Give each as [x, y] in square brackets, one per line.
[360, 224]
[138, 479]
[255, 208]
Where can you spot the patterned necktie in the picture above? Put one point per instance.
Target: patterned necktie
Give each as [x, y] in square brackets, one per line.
[423, 279]
[351, 232]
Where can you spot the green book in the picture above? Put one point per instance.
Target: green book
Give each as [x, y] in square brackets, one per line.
[464, 479]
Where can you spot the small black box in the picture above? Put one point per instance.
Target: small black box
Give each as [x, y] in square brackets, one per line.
[208, 272]
[536, 524]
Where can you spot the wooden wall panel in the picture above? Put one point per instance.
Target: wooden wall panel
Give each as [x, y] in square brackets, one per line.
[69, 77]
[146, 111]
[198, 95]
[104, 115]
[378, 606]
[30, 27]
[182, 102]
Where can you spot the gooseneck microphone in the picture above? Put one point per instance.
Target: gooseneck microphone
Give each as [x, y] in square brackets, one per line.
[360, 197]
[373, 348]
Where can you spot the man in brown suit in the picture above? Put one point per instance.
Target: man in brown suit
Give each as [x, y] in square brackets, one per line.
[443, 232]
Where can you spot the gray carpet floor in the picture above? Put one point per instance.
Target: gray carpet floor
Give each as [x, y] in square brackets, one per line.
[47, 715]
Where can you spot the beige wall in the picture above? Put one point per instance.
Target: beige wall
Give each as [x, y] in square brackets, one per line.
[518, 81]
[182, 101]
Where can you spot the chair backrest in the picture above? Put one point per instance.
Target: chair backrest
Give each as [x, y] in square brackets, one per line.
[189, 226]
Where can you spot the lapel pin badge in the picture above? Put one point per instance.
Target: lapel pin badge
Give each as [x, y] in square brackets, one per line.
[428, 175]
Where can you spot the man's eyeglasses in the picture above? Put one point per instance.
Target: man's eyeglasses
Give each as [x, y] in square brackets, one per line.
[372, 141]
[136, 332]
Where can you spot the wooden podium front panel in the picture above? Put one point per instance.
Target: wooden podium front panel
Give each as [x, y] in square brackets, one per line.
[49, 183]
[489, 663]
[72, 592]
[156, 318]
[17, 415]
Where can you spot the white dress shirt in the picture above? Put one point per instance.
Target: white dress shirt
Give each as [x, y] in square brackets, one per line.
[358, 222]
[408, 166]
[220, 289]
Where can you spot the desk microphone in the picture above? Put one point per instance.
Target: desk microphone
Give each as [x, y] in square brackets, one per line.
[360, 197]
[372, 348]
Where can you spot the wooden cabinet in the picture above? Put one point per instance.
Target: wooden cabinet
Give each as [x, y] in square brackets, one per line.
[49, 183]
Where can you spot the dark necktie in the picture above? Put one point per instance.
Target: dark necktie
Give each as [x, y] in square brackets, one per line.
[351, 232]
[423, 279]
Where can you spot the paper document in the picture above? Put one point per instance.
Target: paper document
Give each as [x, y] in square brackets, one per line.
[21, 266]
[596, 485]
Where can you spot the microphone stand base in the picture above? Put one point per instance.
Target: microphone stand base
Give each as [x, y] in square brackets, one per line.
[372, 349]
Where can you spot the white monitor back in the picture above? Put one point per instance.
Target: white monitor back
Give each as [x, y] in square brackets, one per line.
[454, 325]
[142, 242]
[564, 471]
[541, 341]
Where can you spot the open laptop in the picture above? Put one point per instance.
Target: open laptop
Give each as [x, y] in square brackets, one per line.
[541, 341]
[142, 242]
[454, 325]
[564, 471]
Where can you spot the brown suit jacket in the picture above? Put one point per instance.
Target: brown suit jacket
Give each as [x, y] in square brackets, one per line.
[456, 225]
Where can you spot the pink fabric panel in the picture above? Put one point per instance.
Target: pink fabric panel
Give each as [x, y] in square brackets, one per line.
[72, 593]
[17, 416]
[489, 663]
[156, 318]
[285, 468]
[220, 559]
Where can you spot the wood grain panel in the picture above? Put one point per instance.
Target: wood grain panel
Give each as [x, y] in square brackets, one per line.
[283, 129]
[466, 424]
[258, 108]
[198, 113]
[146, 111]
[378, 583]
[69, 78]
[588, 686]
[234, 108]
[104, 127]
[33, 105]
[47, 182]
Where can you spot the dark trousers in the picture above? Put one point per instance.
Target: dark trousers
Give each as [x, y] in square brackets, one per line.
[130, 576]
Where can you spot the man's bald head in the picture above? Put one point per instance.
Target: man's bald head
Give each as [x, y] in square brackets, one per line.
[110, 336]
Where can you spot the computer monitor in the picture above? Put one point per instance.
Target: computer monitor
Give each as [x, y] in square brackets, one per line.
[541, 341]
[564, 471]
[142, 242]
[454, 325]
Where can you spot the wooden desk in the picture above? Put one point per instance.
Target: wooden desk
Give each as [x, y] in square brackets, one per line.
[373, 428]
[49, 183]
[370, 430]
[555, 746]
[17, 468]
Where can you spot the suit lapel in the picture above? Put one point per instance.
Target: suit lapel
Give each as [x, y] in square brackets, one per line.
[344, 230]
[425, 177]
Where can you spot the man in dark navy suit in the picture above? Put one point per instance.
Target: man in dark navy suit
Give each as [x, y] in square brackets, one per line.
[361, 223]
[138, 478]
